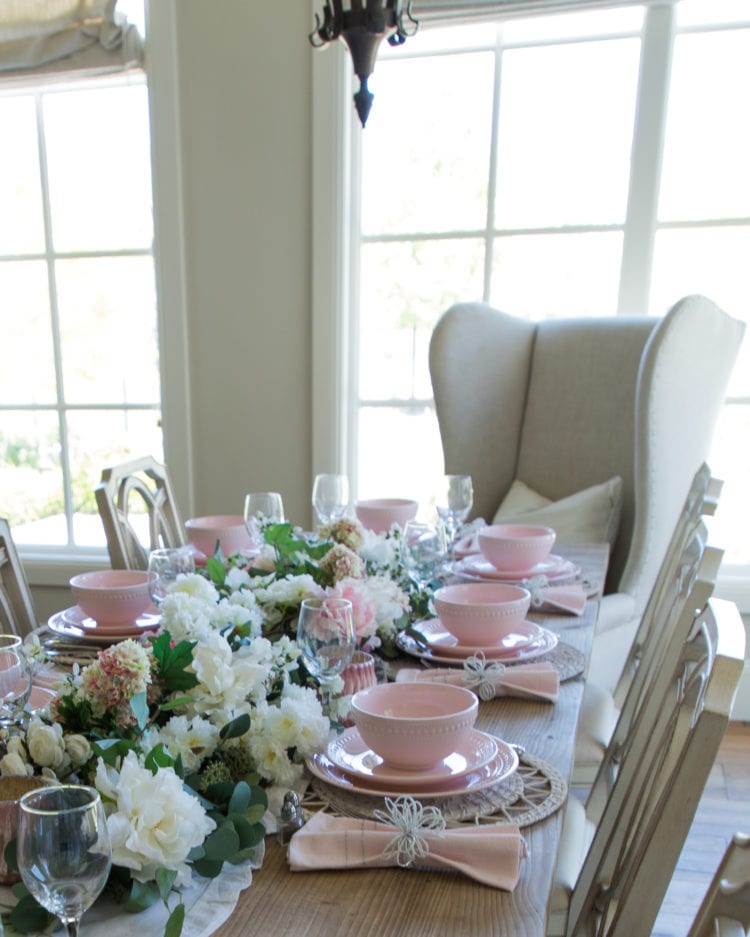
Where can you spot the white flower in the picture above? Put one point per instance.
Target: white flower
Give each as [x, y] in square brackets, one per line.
[379, 551]
[152, 821]
[45, 744]
[184, 618]
[197, 587]
[226, 680]
[193, 739]
[13, 765]
[78, 749]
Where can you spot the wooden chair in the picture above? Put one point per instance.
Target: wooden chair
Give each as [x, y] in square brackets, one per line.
[601, 709]
[17, 615]
[567, 404]
[138, 511]
[725, 910]
[612, 874]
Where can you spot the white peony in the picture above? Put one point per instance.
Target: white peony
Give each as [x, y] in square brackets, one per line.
[193, 739]
[152, 821]
[13, 765]
[45, 744]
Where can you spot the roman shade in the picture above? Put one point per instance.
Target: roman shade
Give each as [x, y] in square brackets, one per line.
[436, 11]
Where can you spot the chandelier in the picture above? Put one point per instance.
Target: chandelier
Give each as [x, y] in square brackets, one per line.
[363, 24]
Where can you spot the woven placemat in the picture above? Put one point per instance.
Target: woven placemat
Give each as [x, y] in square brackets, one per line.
[535, 791]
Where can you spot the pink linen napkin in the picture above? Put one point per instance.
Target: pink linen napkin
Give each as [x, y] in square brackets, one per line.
[489, 679]
[568, 598]
[489, 854]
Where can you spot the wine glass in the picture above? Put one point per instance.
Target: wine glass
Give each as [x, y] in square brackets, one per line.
[15, 680]
[164, 566]
[63, 849]
[330, 497]
[325, 635]
[453, 505]
[262, 507]
[424, 550]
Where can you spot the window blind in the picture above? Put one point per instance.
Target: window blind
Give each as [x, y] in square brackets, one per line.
[435, 11]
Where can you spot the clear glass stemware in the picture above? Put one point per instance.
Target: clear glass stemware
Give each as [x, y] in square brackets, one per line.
[330, 497]
[261, 508]
[15, 680]
[164, 566]
[454, 502]
[63, 848]
[325, 635]
[424, 551]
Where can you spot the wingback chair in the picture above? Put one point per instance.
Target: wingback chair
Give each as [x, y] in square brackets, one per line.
[566, 405]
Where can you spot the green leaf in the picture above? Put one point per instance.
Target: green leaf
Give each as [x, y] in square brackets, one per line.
[142, 896]
[165, 879]
[173, 704]
[240, 799]
[255, 813]
[9, 854]
[222, 843]
[28, 916]
[220, 792]
[208, 868]
[140, 709]
[157, 758]
[216, 570]
[236, 728]
[250, 833]
[175, 921]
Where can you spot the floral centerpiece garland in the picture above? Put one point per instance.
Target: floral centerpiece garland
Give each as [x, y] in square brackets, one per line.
[192, 736]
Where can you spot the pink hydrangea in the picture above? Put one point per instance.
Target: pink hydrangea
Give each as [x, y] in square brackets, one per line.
[349, 533]
[118, 674]
[363, 608]
[342, 563]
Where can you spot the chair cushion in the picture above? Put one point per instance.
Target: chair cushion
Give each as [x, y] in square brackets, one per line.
[575, 840]
[588, 516]
[596, 723]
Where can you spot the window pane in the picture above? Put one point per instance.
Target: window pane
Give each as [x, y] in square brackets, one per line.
[405, 287]
[408, 186]
[27, 374]
[108, 330]
[99, 168]
[555, 275]
[711, 261]
[707, 148]
[22, 230]
[97, 440]
[564, 138]
[573, 25]
[415, 457]
[31, 486]
[730, 461]
[439, 38]
[705, 12]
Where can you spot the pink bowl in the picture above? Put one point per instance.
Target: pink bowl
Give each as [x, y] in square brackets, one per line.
[112, 596]
[480, 614]
[228, 529]
[379, 514]
[414, 725]
[515, 547]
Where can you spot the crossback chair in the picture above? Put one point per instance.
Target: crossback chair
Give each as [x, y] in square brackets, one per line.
[138, 511]
[615, 886]
[17, 615]
[725, 910]
[602, 709]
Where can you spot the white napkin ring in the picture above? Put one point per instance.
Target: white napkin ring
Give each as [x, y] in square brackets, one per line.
[415, 823]
[482, 676]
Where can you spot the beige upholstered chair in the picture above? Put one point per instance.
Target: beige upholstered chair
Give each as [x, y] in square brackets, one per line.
[614, 867]
[686, 578]
[725, 910]
[17, 615]
[139, 512]
[567, 404]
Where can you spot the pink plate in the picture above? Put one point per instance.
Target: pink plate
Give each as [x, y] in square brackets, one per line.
[546, 643]
[555, 568]
[442, 641]
[74, 623]
[496, 770]
[349, 752]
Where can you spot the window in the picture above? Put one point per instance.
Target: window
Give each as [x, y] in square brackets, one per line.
[79, 385]
[494, 151]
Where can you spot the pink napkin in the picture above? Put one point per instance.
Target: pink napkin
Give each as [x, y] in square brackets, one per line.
[489, 854]
[569, 598]
[527, 681]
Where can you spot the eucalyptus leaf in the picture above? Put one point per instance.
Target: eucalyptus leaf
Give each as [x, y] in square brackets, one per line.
[165, 879]
[28, 916]
[222, 843]
[175, 921]
[240, 799]
[208, 868]
[255, 813]
[139, 706]
[9, 855]
[142, 896]
[236, 728]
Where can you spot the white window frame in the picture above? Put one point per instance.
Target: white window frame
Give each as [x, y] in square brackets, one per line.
[53, 567]
[336, 232]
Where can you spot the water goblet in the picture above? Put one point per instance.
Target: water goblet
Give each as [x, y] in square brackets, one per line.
[15, 680]
[325, 635]
[63, 849]
[164, 566]
[330, 497]
[424, 551]
[454, 502]
[262, 507]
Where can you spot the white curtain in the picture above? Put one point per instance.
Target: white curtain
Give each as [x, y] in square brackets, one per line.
[434, 11]
[44, 39]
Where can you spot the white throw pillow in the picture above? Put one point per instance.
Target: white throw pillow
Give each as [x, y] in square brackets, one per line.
[588, 516]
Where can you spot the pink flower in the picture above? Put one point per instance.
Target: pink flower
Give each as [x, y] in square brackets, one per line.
[363, 608]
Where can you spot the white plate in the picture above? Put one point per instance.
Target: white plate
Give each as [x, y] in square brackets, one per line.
[496, 770]
[74, 623]
[547, 642]
[555, 568]
[441, 641]
[349, 752]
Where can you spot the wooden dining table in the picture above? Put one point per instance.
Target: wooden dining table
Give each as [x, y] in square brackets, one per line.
[395, 902]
